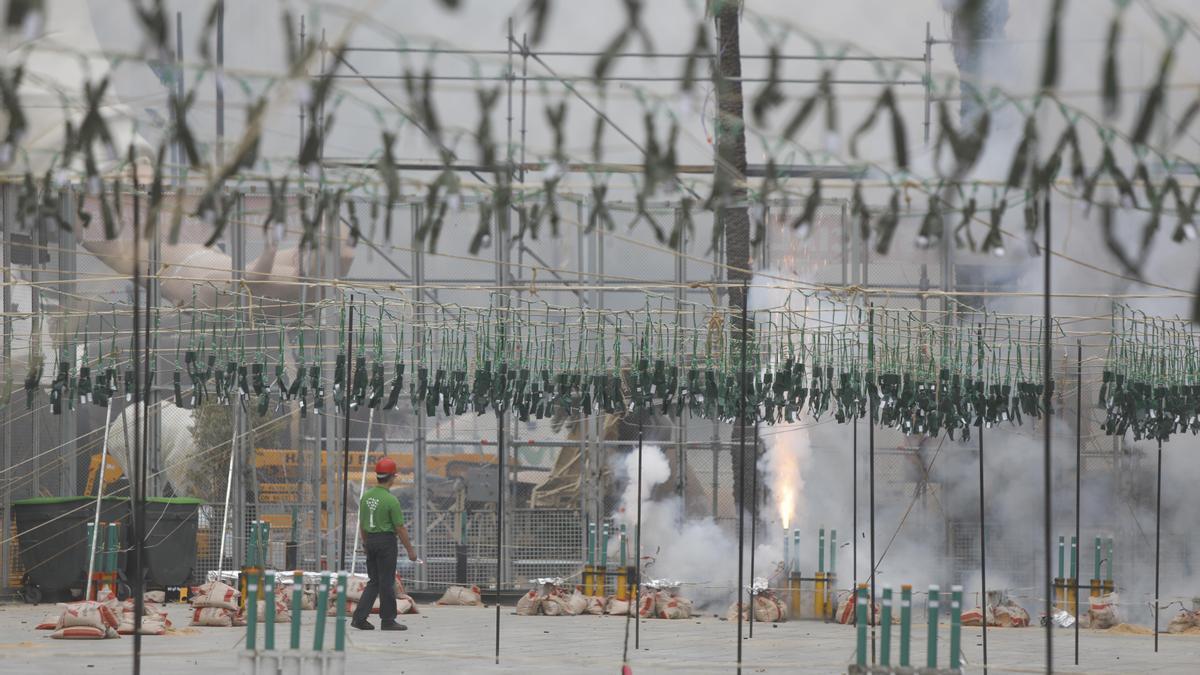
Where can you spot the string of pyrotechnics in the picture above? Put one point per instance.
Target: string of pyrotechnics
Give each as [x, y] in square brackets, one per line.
[828, 96]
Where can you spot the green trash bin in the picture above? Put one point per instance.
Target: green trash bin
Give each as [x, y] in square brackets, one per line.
[52, 536]
[171, 525]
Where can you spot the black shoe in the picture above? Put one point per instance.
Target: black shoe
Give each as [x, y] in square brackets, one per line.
[393, 626]
[362, 625]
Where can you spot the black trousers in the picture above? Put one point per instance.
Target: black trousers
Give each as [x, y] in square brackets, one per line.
[381, 578]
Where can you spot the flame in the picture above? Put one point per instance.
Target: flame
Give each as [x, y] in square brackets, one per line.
[787, 503]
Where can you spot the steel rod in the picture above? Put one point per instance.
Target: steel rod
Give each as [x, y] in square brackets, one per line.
[620, 55]
[585, 79]
[136, 484]
[982, 524]
[1079, 469]
[871, 487]
[347, 386]
[1046, 477]
[741, 468]
[637, 549]
[1157, 541]
[87, 594]
[753, 516]
[500, 485]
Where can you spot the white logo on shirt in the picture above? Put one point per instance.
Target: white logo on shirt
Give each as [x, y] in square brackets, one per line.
[371, 504]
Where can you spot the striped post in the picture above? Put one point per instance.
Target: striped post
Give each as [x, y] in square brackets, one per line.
[322, 610]
[91, 547]
[956, 593]
[832, 553]
[269, 610]
[931, 645]
[339, 634]
[787, 554]
[297, 604]
[1108, 577]
[602, 573]
[795, 567]
[821, 550]
[905, 622]
[860, 621]
[114, 536]
[251, 611]
[622, 571]
[885, 646]
[831, 576]
[1073, 580]
[590, 570]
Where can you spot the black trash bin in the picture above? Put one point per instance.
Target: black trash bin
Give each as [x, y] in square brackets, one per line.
[171, 525]
[52, 537]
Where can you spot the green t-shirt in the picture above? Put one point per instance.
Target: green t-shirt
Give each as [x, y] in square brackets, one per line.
[379, 511]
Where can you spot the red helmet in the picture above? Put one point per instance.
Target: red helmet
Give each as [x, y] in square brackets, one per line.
[385, 467]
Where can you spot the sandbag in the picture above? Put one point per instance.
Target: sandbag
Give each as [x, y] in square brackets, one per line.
[217, 616]
[595, 604]
[529, 604]
[406, 605]
[647, 605]
[675, 608]
[619, 607]
[149, 627]
[154, 596]
[576, 603]
[84, 633]
[846, 611]
[282, 613]
[1102, 611]
[215, 594]
[461, 595]
[87, 613]
[555, 603]
[48, 623]
[974, 617]
[1184, 621]
[354, 588]
[1010, 615]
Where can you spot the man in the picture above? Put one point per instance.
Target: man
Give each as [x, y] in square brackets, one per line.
[380, 522]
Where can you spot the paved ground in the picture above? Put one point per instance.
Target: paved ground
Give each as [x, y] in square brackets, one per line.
[448, 640]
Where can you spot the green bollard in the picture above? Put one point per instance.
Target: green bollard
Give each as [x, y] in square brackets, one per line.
[114, 536]
[251, 611]
[1074, 561]
[832, 554]
[1096, 557]
[787, 554]
[956, 593]
[591, 544]
[1061, 545]
[905, 623]
[602, 573]
[931, 646]
[821, 550]
[885, 620]
[252, 549]
[322, 609]
[860, 620]
[623, 554]
[297, 604]
[269, 611]
[793, 568]
[1108, 566]
[339, 635]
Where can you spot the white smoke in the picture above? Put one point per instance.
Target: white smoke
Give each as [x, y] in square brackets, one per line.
[698, 551]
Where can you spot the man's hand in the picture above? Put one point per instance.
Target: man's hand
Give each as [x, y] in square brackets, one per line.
[412, 555]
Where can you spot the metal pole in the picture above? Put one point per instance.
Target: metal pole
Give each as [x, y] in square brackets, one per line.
[500, 486]
[854, 499]
[136, 484]
[219, 81]
[1079, 469]
[1046, 485]
[1157, 541]
[753, 517]
[87, 594]
[982, 521]
[362, 483]
[928, 81]
[871, 470]
[346, 393]
[637, 551]
[741, 468]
